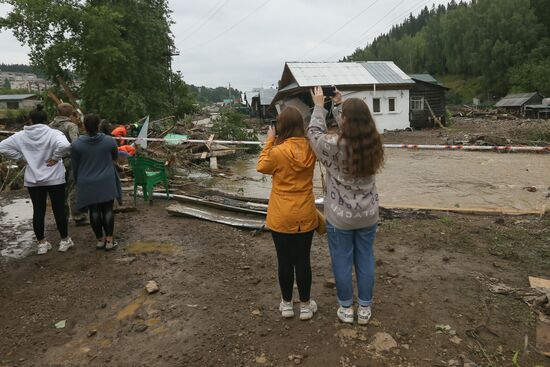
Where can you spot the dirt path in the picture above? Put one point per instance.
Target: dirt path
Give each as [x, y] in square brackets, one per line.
[218, 297]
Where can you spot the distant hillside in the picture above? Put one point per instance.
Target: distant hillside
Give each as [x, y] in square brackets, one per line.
[17, 68]
[213, 95]
[494, 46]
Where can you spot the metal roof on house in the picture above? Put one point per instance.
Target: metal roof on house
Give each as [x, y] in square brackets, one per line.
[515, 100]
[267, 95]
[15, 97]
[297, 76]
[386, 72]
[251, 94]
[427, 78]
[310, 74]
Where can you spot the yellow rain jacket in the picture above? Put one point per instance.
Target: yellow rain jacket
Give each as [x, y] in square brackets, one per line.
[291, 203]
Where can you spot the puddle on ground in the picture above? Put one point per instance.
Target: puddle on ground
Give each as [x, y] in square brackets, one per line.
[131, 308]
[151, 247]
[16, 229]
[109, 327]
[18, 212]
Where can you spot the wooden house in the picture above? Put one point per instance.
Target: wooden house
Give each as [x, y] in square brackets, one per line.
[18, 101]
[427, 101]
[516, 103]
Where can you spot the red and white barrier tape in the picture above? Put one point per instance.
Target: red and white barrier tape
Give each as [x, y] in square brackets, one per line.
[482, 148]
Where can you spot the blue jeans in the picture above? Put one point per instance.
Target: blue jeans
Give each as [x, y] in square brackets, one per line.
[348, 248]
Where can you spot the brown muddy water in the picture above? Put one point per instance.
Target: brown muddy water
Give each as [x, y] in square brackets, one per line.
[437, 179]
[17, 237]
[441, 179]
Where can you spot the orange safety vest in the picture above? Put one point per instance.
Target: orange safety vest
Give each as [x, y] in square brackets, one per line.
[128, 149]
[120, 132]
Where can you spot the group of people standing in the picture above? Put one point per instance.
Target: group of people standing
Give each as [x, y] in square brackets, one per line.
[351, 157]
[76, 171]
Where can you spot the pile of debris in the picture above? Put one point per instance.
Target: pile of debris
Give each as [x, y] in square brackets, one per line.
[469, 111]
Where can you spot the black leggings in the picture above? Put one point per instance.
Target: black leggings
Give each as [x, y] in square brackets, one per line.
[102, 219]
[293, 255]
[39, 195]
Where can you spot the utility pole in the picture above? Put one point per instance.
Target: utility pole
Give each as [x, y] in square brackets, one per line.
[172, 51]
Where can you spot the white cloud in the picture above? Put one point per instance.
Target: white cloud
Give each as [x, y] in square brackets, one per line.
[253, 53]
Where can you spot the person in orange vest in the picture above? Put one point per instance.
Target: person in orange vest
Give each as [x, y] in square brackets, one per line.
[126, 150]
[120, 132]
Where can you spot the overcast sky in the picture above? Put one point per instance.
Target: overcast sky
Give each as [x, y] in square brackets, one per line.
[246, 42]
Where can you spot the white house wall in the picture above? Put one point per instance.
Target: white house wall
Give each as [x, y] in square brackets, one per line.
[386, 120]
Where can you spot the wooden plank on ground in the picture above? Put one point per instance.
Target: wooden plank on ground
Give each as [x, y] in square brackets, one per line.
[535, 282]
[208, 145]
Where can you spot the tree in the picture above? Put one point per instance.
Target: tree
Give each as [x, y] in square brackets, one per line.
[118, 50]
[183, 99]
[7, 83]
[489, 41]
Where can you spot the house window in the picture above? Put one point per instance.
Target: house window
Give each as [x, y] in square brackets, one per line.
[376, 105]
[417, 104]
[391, 103]
[12, 105]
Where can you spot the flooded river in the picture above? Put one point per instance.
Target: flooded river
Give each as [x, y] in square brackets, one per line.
[410, 179]
[441, 179]
[17, 237]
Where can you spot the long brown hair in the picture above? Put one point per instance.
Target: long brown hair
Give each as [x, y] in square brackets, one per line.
[290, 124]
[364, 151]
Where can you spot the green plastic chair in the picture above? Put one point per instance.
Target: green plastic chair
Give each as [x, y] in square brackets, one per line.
[147, 173]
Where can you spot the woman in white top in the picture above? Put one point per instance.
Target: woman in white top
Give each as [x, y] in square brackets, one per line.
[43, 149]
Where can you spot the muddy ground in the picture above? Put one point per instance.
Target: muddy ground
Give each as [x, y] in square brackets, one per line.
[218, 298]
[479, 131]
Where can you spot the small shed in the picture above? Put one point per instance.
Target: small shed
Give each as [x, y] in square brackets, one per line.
[381, 84]
[515, 103]
[261, 102]
[427, 96]
[18, 101]
[539, 111]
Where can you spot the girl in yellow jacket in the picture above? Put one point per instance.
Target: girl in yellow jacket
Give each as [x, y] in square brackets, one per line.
[291, 214]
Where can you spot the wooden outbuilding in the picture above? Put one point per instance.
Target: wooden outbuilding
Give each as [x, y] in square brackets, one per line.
[516, 103]
[18, 101]
[427, 101]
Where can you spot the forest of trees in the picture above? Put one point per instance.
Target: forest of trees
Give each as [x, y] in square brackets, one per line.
[212, 95]
[504, 45]
[16, 68]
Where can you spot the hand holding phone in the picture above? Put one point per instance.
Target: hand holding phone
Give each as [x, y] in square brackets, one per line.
[271, 133]
[329, 91]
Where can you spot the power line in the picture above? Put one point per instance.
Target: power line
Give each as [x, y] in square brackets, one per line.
[342, 27]
[199, 22]
[381, 19]
[201, 26]
[231, 27]
[422, 4]
[410, 10]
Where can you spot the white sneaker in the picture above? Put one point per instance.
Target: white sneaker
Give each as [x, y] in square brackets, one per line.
[306, 312]
[100, 245]
[64, 245]
[363, 315]
[43, 248]
[287, 309]
[110, 245]
[345, 314]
